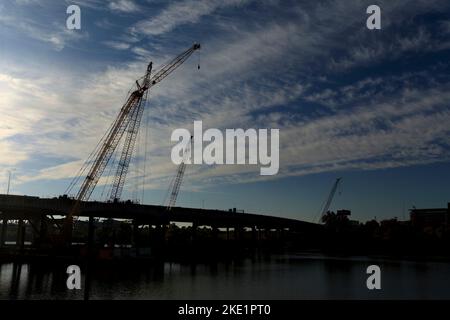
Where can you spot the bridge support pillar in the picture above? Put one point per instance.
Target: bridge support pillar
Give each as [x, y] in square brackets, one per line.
[18, 232]
[43, 229]
[267, 234]
[136, 236]
[215, 233]
[20, 235]
[194, 231]
[4, 231]
[149, 235]
[34, 224]
[282, 234]
[228, 233]
[165, 230]
[237, 233]
[254, 234]
[160, 236]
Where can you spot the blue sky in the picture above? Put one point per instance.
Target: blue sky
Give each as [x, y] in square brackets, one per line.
[369, 106]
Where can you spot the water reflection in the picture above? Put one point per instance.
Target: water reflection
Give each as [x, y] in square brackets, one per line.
[259, 277]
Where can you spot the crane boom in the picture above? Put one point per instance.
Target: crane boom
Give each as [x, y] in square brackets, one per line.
[127, 151]
[117, 130]
[330, 197]
[176, 184]
[169, 67]
[109, 145]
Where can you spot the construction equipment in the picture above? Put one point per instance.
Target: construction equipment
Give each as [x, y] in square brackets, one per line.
[330, 198]
[130, 140]
[128, 120]
[176, 182]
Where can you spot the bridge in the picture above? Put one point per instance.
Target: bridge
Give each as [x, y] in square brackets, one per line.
[40, 211]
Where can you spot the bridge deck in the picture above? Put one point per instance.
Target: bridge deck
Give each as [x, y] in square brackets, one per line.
[28, 207]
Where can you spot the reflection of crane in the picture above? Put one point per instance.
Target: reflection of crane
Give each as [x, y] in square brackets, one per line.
[128, 120]
[176, 183]
[330, 198]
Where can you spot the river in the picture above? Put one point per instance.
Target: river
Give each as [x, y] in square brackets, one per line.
[276, 276]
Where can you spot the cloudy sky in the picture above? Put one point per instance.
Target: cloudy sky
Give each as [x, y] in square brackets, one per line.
[372, 107]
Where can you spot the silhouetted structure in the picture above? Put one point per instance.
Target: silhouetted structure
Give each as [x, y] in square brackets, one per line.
[437, 217]
[137, 228]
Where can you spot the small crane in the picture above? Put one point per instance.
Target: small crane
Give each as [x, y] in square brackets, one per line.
[330, 198]
[176, 182]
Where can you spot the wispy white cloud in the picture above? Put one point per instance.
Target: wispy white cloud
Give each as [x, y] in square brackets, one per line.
[57, 35]
[180, 13]
[420, 40]
[117, 45]
[104, 23]
[123, 6]
[26, 2]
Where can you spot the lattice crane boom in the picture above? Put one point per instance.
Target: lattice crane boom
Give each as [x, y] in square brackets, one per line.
[127, 150]
[176, 184]
[169, 67]
[108, 147]
[330, 197]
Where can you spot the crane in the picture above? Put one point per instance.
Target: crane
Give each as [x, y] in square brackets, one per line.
[330, 197]
[176, 183]
[128, 120]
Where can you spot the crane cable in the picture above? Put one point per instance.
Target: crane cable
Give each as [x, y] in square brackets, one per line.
[83, 168]
[91, 157]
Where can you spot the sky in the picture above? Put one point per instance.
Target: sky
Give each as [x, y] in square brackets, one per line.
[370, 106]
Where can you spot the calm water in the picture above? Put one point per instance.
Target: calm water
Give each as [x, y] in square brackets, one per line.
[274, 277]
